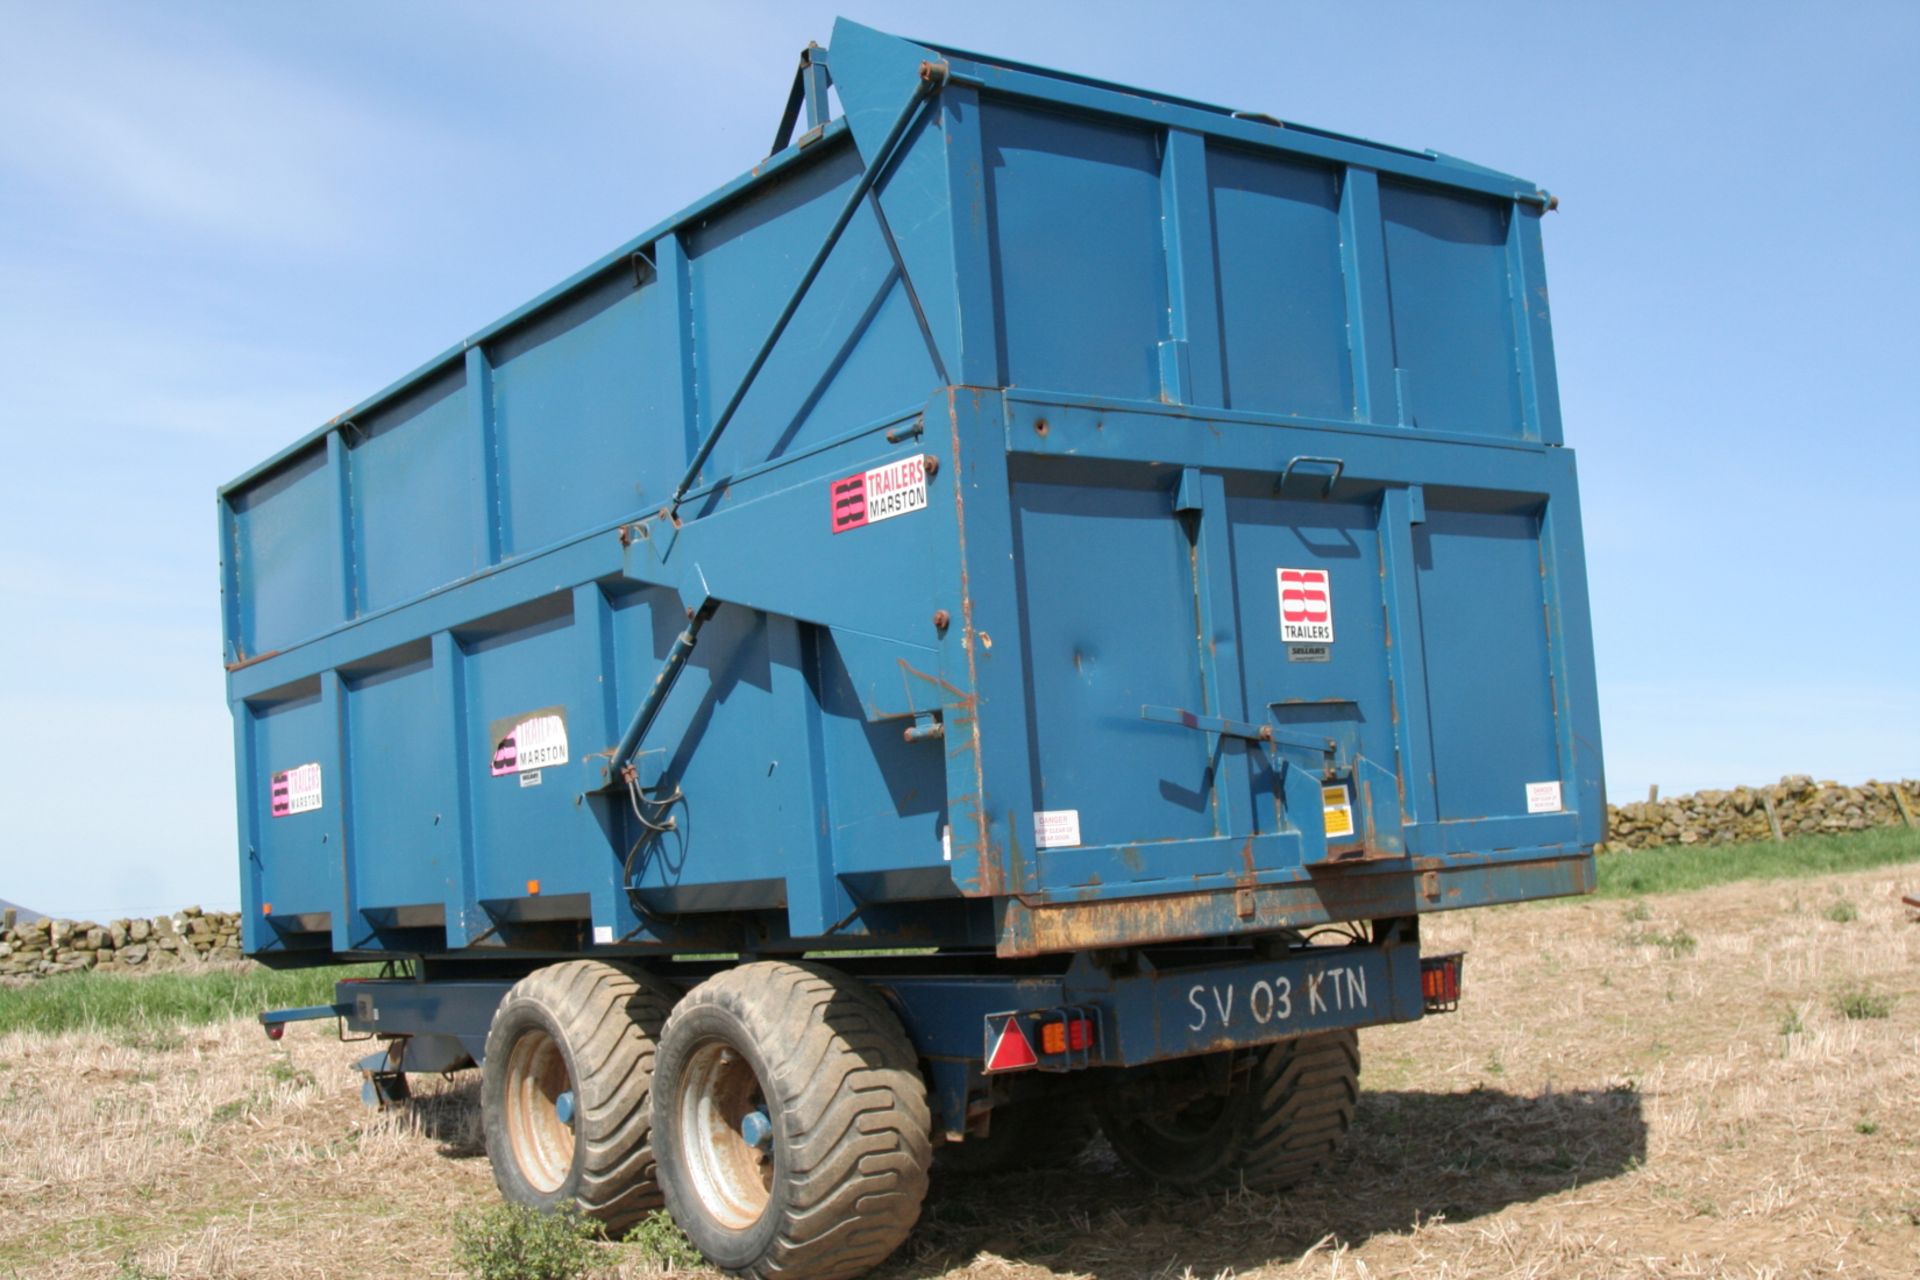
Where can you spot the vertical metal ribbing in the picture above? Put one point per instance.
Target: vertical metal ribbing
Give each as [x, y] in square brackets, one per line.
[1406, 660]
[978, 359]
[1220, 653]
[255, 932]
[461, 904]
[1363, 254]
[336, 779]
[1533, 328]
[1190, 359]
[343, 537]
[483, 430]
[676, 276]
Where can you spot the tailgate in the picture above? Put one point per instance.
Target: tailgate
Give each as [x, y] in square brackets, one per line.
[1243, 678]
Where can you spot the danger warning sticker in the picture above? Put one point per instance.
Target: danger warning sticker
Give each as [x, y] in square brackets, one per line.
[1056, 828]
[880, 494]
[1544, 797]
[295, 790]
[1306, 607]
[529, 742]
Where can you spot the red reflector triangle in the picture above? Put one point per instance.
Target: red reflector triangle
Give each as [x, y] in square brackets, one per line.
[1012, 1050]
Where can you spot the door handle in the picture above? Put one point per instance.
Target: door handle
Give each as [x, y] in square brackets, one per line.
[1337, 465]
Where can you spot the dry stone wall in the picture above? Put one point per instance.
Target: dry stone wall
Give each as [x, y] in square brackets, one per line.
[45, 946]
[1793, 806]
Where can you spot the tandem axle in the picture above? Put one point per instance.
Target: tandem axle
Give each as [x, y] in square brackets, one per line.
[971, 1027]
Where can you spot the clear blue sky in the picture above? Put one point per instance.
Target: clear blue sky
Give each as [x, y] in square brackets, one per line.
[222, 224]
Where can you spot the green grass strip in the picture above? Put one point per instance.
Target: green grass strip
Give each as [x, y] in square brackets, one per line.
[152, 1002]
[1677, 868]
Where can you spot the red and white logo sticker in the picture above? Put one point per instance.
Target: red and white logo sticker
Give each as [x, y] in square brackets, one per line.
[525, 743]
[880, 494]
[295, 790]
[1306, 607]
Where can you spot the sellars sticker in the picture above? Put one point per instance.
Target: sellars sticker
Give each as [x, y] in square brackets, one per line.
[527, 742]
[1543, 797]
[1309, 653]
[296, 790]
[1056, 828]
[1336, 806]
[879, 494]
[1306, 607]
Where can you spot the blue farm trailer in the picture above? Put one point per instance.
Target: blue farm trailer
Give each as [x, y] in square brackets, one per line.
[995, 624]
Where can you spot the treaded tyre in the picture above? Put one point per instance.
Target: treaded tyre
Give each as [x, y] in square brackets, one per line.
[791, 1121]
[564, 1091]
[1282, 1122]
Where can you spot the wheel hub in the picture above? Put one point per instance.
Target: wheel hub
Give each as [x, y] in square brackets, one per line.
[540, 1110]
[728, 1133]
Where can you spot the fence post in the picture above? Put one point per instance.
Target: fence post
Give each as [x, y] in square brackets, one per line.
[1773, 819]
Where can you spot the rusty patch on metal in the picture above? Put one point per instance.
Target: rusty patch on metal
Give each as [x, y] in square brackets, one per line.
[258, 657]
[990, 879]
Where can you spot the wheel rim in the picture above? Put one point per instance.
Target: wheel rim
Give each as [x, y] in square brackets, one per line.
[542, 1140]
[732, 1175]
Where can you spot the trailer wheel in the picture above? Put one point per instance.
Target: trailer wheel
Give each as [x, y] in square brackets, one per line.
[564, 1090]
[791, 1121]
[1280, 1124]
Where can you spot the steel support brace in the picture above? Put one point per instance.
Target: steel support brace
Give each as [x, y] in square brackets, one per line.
[933, 75]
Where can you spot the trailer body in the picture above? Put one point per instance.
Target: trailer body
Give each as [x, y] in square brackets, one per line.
[1024, 517]
[1000, 621]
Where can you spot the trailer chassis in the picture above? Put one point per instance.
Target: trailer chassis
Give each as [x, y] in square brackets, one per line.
[977, 1023]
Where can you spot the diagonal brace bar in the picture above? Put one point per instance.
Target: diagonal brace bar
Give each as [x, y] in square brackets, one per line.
[932, 76]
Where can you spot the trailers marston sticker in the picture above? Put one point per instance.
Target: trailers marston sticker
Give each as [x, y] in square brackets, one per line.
[1306, 607]
[529, 742]
[880, 494]
[295, 790]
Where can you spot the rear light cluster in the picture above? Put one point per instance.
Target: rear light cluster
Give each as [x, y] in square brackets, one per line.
[1440, 982]
[1042, 1040]
[1074, 1032]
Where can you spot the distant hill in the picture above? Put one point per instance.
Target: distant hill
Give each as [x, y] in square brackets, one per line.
[26, 913]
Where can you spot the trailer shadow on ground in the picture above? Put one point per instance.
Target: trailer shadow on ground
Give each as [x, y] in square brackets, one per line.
[1414, 1157]
[451, 1118]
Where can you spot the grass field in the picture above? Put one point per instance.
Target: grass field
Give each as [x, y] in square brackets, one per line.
[1716, 1082]
[165, 1001]
[1670, 870]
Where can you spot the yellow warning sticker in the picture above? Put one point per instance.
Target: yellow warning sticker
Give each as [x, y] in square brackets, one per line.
[1337, 804]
